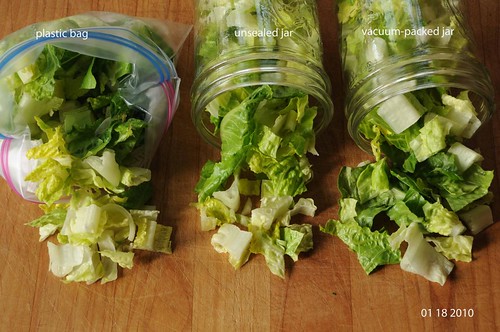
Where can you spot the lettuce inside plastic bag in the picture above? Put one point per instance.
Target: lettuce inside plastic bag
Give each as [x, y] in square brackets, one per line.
[97, 91]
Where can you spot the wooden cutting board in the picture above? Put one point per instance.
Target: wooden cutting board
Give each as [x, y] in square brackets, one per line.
[195, 288]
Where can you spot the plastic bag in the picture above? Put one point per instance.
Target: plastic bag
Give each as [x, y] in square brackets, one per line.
[151, 87]
[14, 166]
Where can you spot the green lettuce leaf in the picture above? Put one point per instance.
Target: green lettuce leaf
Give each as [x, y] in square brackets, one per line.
[432, 138]
[457, 247]
[373, 248]
[75, 263]
[430, 177]
[440, 220]
[97, 234]
[151, 235]
[84, 226]
[51, 222]
[214, 213]
[53, 173]
[122, 258]
[459, 193]
[86, 170]
[298, 238]
[270, 210]
[272, 247]
[236, 131]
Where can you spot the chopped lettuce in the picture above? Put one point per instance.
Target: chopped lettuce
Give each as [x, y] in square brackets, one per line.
[87, 169]
[106, 166]
[97, 235]
[477, 218]
[231, 26]
[461, 113]
[441, 221]
[425, 183]
[298, 238]
[59, 172]
[75, 263]
[49, 223]
[214, 213]
[84, 226]
[304, 206]
[151, 235]
[432, 138]
[458, 247]
[229, 238]
[270, 210]
[231, 196]
[272, 248]
[465, 157]
[238, 124]
[421, 258]
[122, 258]
[459, 192]
[373, 248]
[274, 244]
[266, 130]
[265, 138]
[94, 230]
[424, 205]
[400, 113]
[374, 30]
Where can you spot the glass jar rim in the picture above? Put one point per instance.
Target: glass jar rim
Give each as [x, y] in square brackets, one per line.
[434, 68]
[205, 89]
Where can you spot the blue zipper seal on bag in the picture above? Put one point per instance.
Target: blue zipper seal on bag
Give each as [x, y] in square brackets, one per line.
[163, 70]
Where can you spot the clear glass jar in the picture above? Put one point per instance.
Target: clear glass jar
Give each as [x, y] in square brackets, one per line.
[390, 48]
[246, 43]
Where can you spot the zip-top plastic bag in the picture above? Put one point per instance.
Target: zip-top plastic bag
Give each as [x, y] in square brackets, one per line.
[84, 101]
[109, 81]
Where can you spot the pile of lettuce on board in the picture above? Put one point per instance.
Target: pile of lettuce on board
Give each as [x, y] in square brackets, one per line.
[84, 134]
[266, 134]
[91, 122]
[425, 183]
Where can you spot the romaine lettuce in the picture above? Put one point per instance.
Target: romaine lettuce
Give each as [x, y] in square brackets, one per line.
[421, 258]
[372, 247]
[88, 164]
[375, 30]
[424, 181]
[265, 138]
[97, 234]
[421, 203]
[229, 238]
[458, 247]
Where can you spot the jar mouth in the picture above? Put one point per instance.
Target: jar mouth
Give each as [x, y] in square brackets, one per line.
[265, 67]
[408, 73]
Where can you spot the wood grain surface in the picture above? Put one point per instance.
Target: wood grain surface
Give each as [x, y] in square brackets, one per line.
[197, 289]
